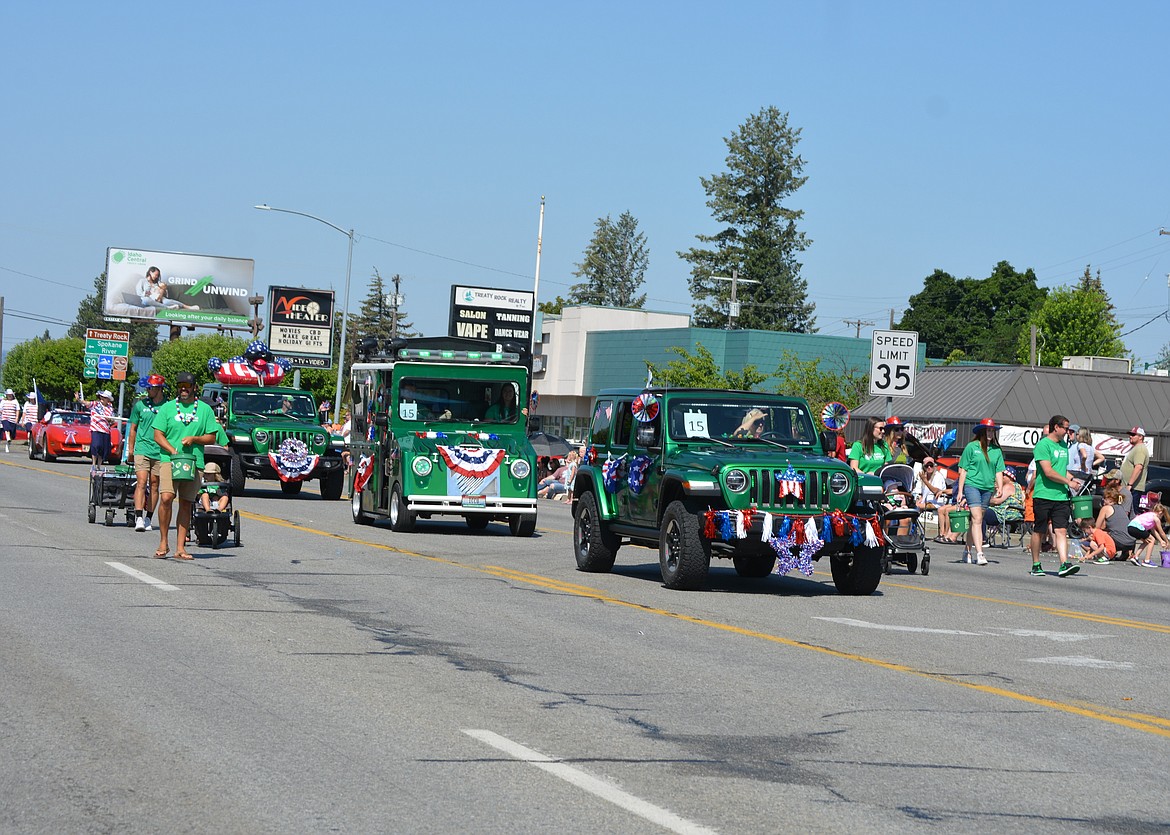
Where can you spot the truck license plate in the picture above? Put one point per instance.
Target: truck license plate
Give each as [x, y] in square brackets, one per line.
[475, 501]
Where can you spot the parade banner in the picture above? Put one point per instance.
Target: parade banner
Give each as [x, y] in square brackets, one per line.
[177, 287]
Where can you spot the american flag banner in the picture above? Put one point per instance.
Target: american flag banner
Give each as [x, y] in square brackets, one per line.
[472, 471]
[365, 469]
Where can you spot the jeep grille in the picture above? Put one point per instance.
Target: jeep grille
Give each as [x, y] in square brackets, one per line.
[764, 491]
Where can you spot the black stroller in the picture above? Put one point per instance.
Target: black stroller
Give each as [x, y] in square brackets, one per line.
[901, 526]
[213, 526]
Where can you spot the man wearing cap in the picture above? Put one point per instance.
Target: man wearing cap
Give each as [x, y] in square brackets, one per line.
[9, 410]
[1137, 460]
[184, 424]
[28, 413]
[1050, 496]
[144, 451]
[101, 413]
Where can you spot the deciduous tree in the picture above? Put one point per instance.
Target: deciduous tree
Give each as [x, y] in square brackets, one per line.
[797, 377]
[1074, 321]
[759, 237]
[980, 317]
[699, 370]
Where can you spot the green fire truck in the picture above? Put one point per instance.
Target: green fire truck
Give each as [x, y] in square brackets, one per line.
[439, 428]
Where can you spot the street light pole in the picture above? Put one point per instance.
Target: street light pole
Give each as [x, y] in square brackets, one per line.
[345, 309]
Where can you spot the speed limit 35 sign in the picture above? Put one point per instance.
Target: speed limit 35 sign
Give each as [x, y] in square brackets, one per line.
[893, 359]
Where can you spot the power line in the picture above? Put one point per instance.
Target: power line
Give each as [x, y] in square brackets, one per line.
[39, 278]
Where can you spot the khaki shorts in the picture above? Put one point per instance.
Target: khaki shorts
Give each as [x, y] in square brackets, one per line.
[185, 490]
[142, 463]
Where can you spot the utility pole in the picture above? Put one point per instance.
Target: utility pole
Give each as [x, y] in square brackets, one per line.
[733, 306]
[395, 301]
[859, 323]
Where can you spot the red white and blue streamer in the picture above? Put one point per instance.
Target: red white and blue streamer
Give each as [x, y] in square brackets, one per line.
[472, 468]
[292, 460]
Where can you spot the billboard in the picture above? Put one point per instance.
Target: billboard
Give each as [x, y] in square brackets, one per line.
[300, 326]
[177, 287]
[492, 314]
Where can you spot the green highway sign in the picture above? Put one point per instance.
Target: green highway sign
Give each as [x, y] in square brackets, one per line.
[90, 361]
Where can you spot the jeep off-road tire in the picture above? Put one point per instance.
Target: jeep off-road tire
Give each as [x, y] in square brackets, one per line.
[759, 564]
[401, 519]
[522, 525]
[684, 554]
[237, 477]
[332, 485]
[593, 545]
[858, 573]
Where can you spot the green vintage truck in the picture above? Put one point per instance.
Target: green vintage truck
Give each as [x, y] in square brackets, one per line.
[273, 428]
[702, 473]
[439, 428]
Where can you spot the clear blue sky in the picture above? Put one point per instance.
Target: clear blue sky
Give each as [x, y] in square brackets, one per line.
[936, 135]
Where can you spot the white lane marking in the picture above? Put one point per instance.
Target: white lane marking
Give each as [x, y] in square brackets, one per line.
[593, 785]
[862, 624]
[1062, 637]
[146, 578]
[1083, 661]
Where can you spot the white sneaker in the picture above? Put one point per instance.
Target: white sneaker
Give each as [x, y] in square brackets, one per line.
[980, 559]
[146, 526]
[139, 525]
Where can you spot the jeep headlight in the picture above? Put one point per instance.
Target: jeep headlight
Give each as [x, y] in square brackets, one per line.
[241, 439]
[261, 436]
[421, 466]
[319, 439]
[737, 481]
[519, 468]
[839, 483]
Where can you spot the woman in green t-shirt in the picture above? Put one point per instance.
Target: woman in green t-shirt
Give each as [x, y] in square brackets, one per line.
[981, 469]
[869, 454]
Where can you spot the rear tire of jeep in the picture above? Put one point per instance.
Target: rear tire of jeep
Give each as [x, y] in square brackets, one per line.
[401, 519]
[331, 486]
[476, 523]
[522, 525]
[754, 565]
[237, 475]
[859, 573]
[290, 488]
[594, 546]
[684, 555]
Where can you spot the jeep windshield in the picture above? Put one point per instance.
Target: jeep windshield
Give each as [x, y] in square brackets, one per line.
[741, 420]
[274, 404]
[460, 400]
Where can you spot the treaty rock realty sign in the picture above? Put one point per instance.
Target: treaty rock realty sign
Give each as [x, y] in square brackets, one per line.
[492, 314]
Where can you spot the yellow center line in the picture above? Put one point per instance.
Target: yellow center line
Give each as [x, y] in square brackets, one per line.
[1145, 723]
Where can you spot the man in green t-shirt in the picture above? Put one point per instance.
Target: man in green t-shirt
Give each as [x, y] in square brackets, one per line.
[1050, 495]
[182, 425]
[144, 452]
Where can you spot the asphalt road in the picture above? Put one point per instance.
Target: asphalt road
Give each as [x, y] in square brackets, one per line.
[326, 677]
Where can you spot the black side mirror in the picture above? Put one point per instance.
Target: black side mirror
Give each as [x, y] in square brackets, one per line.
[381, 421]
[828, 443]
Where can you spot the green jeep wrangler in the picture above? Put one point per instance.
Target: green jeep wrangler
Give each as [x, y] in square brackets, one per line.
[439, 429]
[263, 421]
[698, 473]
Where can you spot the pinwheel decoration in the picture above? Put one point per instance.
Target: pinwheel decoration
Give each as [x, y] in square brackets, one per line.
[835, 416]
[645, 407]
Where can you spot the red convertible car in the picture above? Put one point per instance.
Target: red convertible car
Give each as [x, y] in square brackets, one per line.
[62, 433]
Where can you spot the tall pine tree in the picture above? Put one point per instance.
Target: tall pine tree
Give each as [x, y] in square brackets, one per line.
[614, 266]
[759, 237]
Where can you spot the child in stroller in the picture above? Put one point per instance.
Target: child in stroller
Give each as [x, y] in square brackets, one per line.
[900, 521]
[213, 518]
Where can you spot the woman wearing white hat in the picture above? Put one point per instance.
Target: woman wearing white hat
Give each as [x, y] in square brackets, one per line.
[28, 414]
[101, 413]
[9, 411]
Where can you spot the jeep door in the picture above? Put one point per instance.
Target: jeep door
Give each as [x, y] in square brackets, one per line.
[645, 454]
